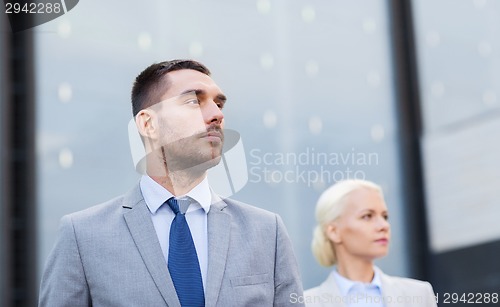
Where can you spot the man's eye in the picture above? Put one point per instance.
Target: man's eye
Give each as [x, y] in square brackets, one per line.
[192, 101]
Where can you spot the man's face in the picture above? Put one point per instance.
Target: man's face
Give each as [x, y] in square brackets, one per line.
[190, 121]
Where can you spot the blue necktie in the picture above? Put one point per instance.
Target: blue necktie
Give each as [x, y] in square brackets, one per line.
[183, 262]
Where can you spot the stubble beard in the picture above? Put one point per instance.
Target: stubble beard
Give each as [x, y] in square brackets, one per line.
[192, 154]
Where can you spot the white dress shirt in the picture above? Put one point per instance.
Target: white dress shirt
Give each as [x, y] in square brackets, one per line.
[196, 216]
[357, 294]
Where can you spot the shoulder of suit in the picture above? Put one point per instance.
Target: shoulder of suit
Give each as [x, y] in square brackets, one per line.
[407, 284]
[99, 210]
[409, 288]
[114, 206]
[246, 210]
[407, 281]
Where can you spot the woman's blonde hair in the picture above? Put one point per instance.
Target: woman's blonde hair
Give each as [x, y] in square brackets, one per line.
[329, 207]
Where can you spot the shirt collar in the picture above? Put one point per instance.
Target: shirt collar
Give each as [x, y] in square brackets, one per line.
[346, 284]
[376, 279]
[155, 195]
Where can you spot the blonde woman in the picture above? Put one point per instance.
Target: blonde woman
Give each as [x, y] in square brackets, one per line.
[352, 231]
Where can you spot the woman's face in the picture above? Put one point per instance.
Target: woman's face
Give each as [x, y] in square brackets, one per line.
[362, 230]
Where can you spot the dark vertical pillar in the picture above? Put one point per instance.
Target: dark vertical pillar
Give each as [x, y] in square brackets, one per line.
[18, 169]
[4, 177]
[410, 129]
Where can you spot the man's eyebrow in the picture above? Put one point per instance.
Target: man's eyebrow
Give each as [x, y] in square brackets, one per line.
[191, 91]
[220, 97]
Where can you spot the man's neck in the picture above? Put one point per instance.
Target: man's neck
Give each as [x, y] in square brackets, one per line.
[179, 183]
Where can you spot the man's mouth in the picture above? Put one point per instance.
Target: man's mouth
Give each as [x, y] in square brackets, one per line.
[213, 135]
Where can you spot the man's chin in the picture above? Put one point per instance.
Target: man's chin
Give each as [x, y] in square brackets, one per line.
[203, 166]
[212, 162]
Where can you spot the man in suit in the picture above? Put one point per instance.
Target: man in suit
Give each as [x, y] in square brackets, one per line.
[171, 241]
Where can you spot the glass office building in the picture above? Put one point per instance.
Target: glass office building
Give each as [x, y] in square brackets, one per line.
[405, 94]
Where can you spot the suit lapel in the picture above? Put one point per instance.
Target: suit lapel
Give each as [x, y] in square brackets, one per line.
[219, 226]
[141, 228]
[389, 290]
[330, 286]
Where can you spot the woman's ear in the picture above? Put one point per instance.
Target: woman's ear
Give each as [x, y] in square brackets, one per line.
[146, 124]
[333, 232]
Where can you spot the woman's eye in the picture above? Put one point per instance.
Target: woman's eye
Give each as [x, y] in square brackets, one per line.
[366, 216]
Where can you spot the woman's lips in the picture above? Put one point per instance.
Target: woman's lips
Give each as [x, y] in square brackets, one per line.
[383, 241]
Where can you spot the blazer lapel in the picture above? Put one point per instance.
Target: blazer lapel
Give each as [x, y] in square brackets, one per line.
[141, 228]
[389, 290]
[330, 286]
[219, 226]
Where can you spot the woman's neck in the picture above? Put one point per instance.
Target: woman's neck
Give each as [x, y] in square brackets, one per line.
[356, 269]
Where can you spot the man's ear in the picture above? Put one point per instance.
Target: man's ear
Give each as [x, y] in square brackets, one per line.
[147, 124]
[333, 233]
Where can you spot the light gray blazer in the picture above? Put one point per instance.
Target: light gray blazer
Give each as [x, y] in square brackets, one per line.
[109, 255]
[396, 292]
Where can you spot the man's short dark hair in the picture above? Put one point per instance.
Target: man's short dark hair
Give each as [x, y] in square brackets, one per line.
[151, 83]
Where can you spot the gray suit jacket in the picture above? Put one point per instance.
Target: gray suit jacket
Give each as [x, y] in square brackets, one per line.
[109, 255]
[396, 292]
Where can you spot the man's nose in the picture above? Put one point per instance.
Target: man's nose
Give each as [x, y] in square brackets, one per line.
[213, 113]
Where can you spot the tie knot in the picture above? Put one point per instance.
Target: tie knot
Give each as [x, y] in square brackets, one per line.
[178, 205]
